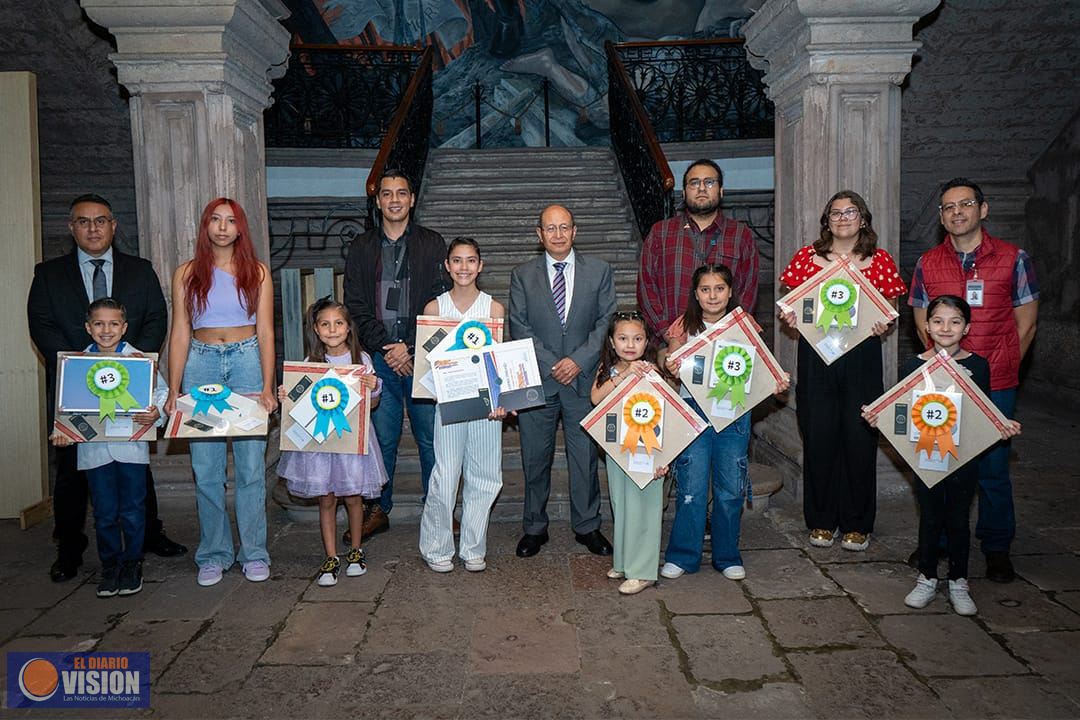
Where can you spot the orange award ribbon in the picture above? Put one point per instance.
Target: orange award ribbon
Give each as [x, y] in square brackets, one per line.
[641, 413]
[934, 415]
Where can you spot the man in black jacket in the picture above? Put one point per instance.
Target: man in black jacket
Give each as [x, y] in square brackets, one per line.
[393, 271]
[61, 291]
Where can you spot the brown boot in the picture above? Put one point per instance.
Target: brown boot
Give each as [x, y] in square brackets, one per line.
[376, 522]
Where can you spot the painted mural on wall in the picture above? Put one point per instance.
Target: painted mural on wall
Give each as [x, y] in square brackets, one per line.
[508, 46]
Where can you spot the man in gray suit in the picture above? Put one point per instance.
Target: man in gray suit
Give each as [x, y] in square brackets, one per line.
[562, 300]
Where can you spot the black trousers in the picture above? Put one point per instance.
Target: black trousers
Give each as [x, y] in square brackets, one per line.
[947, 507]
[70, 495]
[839, 448]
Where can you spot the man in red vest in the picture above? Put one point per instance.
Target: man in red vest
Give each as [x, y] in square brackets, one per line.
[998, 281]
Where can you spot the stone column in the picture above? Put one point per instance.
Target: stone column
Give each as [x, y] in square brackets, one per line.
[834, 70]
[199, 76]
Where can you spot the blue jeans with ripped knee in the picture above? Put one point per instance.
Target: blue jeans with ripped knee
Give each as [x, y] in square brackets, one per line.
[719, 458]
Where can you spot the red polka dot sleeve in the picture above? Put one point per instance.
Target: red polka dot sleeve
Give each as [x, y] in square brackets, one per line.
[884, 275]
[801, 267]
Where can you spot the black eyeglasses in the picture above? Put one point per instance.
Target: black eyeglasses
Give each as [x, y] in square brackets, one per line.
[629, 315]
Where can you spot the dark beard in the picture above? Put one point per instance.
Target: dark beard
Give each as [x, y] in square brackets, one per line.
[703, 207]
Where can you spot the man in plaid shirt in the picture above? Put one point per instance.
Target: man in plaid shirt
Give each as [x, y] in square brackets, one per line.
[697, 235]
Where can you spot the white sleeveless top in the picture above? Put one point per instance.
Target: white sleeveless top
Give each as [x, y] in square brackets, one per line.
[481, 307]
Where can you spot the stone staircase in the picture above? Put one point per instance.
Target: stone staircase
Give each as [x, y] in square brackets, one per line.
[495, 197]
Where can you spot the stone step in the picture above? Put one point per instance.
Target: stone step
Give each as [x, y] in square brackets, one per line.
[516, 206]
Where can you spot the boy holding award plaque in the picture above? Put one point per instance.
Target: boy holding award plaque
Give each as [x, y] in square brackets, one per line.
[946, 505]
[116, 471]
[839, 449]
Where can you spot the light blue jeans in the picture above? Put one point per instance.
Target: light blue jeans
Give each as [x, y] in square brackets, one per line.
[387, 421]
[235, 365]
[719, 458]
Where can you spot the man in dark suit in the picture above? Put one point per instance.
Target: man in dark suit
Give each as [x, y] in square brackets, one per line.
[59, 295]
[562, 300]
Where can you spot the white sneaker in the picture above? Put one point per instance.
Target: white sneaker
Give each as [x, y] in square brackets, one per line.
[671, 571]
[256, 570]
[735, 572]
[476, 565]
[923, 593]
[960, 597]
[441, 566]
[210, 575]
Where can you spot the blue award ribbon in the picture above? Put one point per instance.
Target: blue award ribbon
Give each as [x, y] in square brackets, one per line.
[330, 398]
[209, 397]
[472, 335]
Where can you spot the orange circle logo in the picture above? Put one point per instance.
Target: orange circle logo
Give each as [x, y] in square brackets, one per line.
[38, 679]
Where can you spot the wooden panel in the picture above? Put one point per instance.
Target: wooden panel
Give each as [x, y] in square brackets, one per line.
[22, 376]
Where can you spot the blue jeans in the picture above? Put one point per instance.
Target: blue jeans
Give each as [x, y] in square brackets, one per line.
[721, 456]
[237, 366]
[118, 491]
[996, 526]
[387, 421]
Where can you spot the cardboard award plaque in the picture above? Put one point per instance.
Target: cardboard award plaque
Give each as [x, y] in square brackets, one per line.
[643, 425]
[836, 309]
[433, 331]
[728, 369]
[215, 411]
[325, 408]
[938, 419]
[97, 393]
[469, 383]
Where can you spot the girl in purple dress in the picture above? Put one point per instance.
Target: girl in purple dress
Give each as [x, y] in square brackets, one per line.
[332, 338]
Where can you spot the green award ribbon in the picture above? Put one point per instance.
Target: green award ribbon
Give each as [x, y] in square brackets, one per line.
[733, 366]
[837, 298]
[108, 380]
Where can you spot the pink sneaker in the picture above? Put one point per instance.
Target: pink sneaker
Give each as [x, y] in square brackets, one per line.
[210, 575]
[256, 570]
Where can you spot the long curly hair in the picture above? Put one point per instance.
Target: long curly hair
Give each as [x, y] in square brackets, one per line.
[246, 268]
[867, 242]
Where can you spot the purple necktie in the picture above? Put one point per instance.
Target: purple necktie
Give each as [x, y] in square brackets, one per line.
[558, 289]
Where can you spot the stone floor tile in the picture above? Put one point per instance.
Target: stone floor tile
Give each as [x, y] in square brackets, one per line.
[14, 620]
[404, 627]
[163, 639]
[1004, 698]
[293, 691]
[880, 588]
[84, 613]
[704, 592]
[948, 645]
[182, 598]
[612, 621]
[869, 684]
[42, 644]
[728, 651]
[549, 696]
[883, 548]
[761, 533]
[215, 661]
[773, 574]
[1070, 599]
[637, 682]
[1052, 655]
[520, 641]
[773, 701]
[1050, 572]
[818, 622]
[37, 590]
[394, 686]
[320, 634]
[1021, 607]
[261, 604]
[587, 573]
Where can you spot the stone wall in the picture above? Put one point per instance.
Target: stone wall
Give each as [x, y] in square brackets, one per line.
[84, 128]
[1053, 221]
[992, 85]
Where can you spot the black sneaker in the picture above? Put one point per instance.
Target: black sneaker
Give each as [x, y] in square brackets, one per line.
[355, 564]
[110, 581]
[130, 577]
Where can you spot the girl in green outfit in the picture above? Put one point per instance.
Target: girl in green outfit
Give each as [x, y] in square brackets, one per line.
[638, 512]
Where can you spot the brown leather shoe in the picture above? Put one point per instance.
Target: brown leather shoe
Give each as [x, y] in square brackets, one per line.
[376, 522]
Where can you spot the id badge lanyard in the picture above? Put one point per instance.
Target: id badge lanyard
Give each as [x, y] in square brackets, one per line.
[973, 287]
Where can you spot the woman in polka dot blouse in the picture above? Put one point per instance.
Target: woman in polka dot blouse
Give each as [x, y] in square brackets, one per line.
[839, 448]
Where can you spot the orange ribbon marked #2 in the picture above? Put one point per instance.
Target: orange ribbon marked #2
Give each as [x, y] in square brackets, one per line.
[641, 413]
[934, 415]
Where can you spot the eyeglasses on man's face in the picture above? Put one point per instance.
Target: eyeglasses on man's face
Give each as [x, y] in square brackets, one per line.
[99, 222]
[960, 205]
[847, 214]
[707, 183]
[563, 229]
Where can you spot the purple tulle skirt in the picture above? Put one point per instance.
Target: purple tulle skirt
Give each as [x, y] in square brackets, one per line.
[312, 474]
